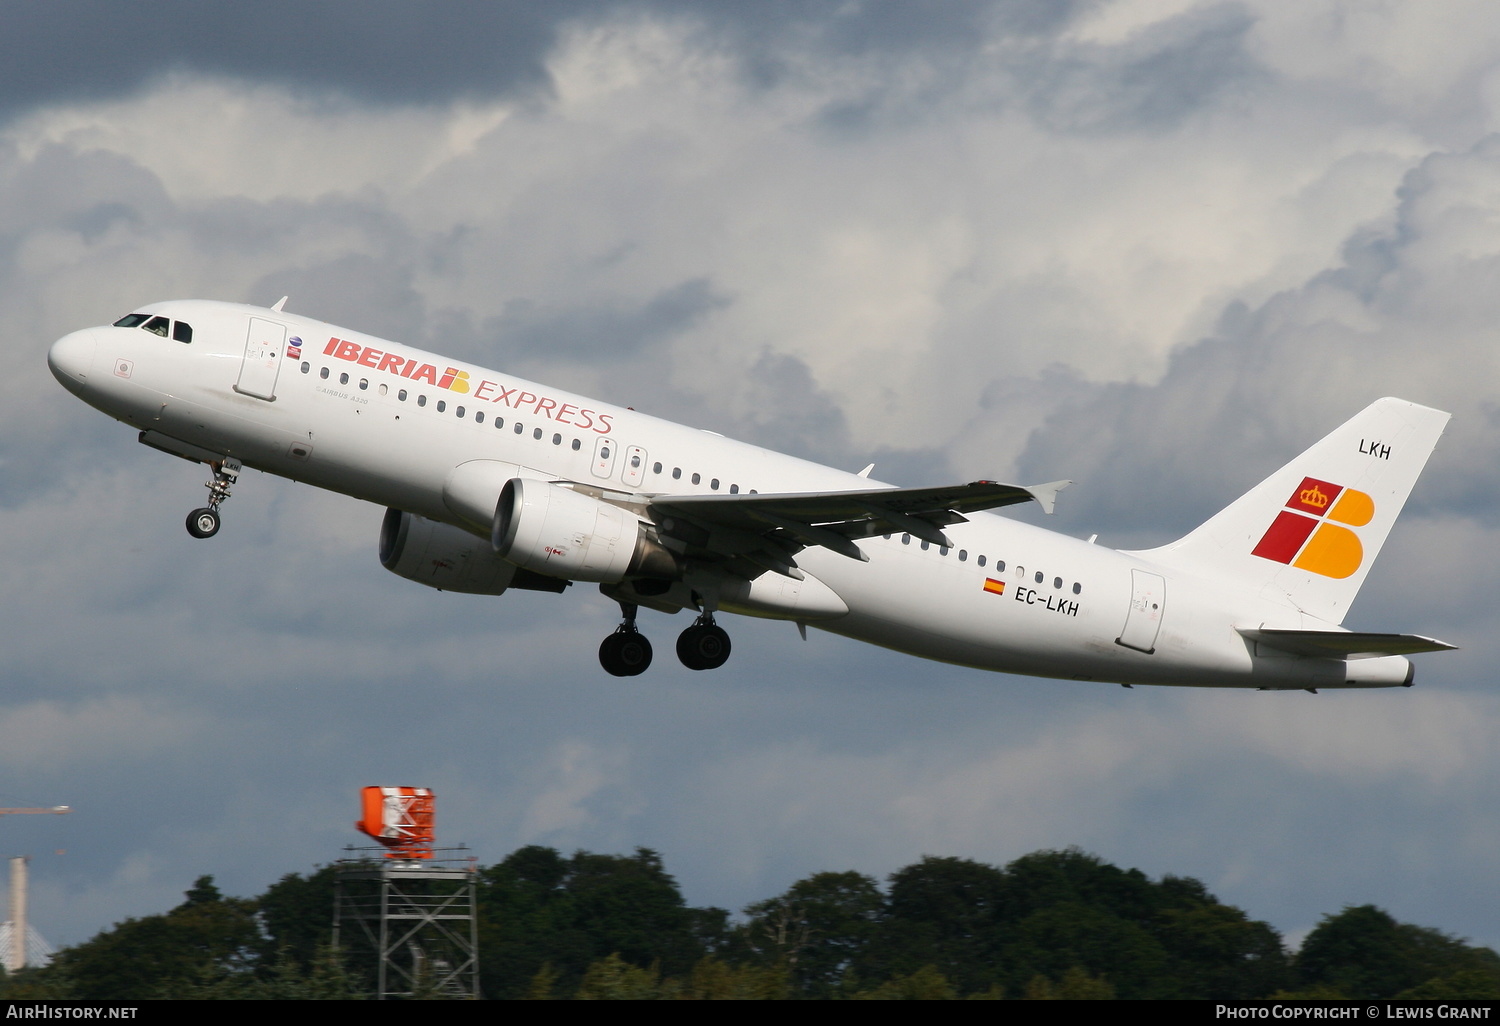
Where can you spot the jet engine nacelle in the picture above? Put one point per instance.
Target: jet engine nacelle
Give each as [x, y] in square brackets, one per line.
[552, 530]
[441, 556]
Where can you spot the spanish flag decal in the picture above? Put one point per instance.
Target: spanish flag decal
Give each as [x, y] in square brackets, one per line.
[1303, 536]
[993, 586]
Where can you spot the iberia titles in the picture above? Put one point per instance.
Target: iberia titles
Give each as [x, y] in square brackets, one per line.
[456, 380]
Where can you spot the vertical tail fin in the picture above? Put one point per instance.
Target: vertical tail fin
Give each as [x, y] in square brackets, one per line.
[1310, 531]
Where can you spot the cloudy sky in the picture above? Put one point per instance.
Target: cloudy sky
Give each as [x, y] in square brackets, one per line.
[1156, 246]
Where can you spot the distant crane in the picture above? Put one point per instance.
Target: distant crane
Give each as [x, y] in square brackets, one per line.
[15, 955]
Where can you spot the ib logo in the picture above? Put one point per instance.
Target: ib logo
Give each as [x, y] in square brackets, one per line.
[1307, 534]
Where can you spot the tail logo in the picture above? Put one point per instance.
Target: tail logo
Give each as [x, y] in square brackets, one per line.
[1303, 536]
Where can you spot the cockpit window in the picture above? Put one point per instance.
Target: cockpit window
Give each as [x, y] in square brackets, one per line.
[181, 331]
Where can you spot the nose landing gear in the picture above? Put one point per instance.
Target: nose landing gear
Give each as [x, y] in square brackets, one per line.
[205, 521]
[704, 645]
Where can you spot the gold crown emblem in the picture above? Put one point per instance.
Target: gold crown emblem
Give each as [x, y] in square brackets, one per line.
[1313, 497]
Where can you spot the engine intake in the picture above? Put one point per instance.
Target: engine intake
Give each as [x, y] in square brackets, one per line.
[449, 558]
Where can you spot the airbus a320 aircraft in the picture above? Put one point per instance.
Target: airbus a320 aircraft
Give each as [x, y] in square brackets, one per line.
[494, 483]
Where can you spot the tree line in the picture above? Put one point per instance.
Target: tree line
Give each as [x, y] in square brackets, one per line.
[1052, 924]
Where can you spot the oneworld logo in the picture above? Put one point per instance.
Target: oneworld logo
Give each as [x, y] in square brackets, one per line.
[1303, 536]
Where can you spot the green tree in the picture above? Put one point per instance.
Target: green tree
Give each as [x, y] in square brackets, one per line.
[297, 913]
[942, 912]
[205, 937]
[1363, 953]
[539, 908]
[817, 929]
[1070, 935]
[926, 984]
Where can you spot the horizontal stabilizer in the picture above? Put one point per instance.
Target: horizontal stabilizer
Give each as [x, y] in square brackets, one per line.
[1344, 644]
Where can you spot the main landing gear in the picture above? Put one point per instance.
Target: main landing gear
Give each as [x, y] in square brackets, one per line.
[204, 522]
[626, 652]
[704, 645]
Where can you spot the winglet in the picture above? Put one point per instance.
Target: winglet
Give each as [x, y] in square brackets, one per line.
[280, 303]
[1046, 494]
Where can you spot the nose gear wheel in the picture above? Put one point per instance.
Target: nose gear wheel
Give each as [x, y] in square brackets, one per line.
[205, 521]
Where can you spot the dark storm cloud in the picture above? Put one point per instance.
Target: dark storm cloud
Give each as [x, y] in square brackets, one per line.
[380, 50]
[390, 51]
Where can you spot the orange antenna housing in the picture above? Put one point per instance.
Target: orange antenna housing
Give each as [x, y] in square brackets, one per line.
[401, 818]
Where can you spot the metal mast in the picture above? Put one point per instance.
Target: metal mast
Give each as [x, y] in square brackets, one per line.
[413, 908]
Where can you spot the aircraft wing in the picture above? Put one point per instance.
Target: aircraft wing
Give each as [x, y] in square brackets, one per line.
[1344, 644]
[831, 519]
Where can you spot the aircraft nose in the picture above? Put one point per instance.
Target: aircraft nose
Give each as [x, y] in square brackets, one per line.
[72, 356]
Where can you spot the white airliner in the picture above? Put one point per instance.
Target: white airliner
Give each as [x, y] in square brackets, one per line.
[495, 483]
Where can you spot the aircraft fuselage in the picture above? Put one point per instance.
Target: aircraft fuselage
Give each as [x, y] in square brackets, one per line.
[392, 425]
